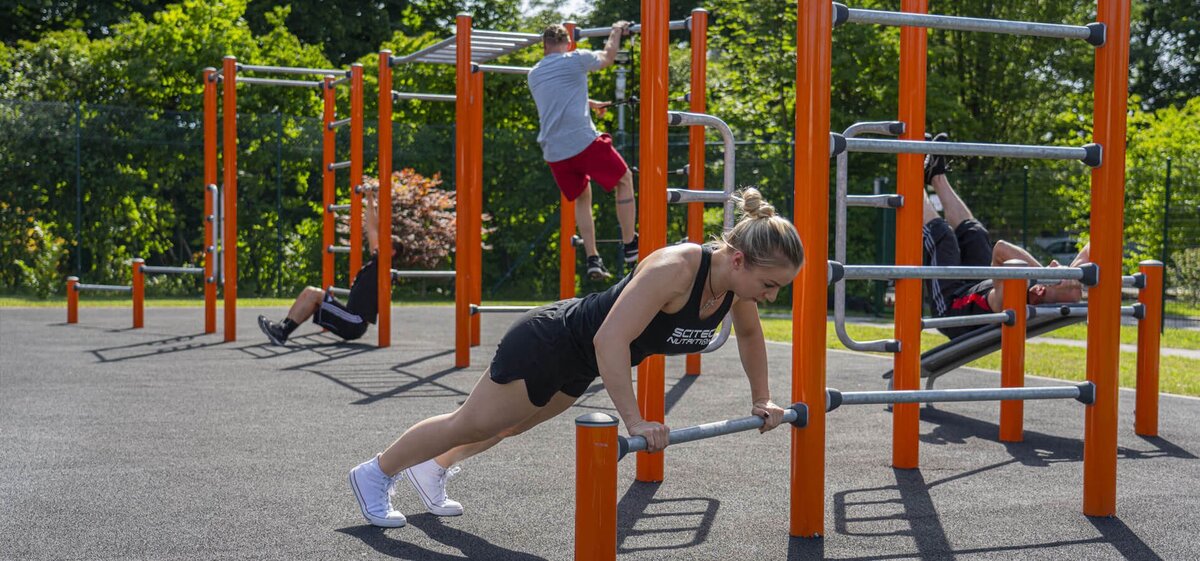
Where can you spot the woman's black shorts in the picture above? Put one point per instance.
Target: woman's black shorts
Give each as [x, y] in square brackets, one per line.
[540, 349]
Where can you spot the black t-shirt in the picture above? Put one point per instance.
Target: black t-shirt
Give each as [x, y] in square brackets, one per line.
[364, 294]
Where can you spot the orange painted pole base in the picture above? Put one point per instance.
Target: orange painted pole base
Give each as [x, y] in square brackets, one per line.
[72, 300]
[595, 487]
[1012, 357]
[139, 293]
[1149, 340]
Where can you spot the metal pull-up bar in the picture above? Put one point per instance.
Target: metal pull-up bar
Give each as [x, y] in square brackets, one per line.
[1084, 393]
[675, 25]
[423, 96]
[293, 70]
[279, 82]
[1093, 33]
[1089, 154]
[1088, 273]
[499, 69]
[795, 415]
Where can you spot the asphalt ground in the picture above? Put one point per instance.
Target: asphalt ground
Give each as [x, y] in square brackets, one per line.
[165, 443]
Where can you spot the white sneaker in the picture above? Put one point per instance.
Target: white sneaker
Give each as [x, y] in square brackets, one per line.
[374, 490]
[429, 479]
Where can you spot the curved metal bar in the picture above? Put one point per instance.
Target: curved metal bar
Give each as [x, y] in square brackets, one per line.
[842, 199]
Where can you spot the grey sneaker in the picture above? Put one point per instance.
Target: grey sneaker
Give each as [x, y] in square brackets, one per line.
[273, 331]
[429, 479]
[374, 490]
[595, 268]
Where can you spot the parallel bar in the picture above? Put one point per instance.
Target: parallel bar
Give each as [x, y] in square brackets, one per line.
[423, 96]
[498, 69]
[340, 123]
[796, 415]
[396, 274]
[634, 29]
[966, 321]
[875, 201]
[1089, 154]
[1136, 280]
[173, 270]
[278, 82]
[80, 287]
[888, 272]
[338, 249]
[339, 291]
[340, 165]
[290, 70]
[681, 196]
[337, 208]
[1084, 392]
[475, 310]
[958, 23]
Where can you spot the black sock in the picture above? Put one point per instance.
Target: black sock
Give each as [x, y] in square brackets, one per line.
[288, 326]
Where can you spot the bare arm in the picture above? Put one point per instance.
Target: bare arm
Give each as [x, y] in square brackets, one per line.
[614, 43]
[1003, 251]
[371, 208]
[658, 280]
[1085, 255]
[752, 348]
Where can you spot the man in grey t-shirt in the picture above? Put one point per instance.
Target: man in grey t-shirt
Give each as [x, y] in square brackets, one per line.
[577, 153]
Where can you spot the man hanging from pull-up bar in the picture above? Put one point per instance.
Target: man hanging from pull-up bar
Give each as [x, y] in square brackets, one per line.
[961, 240]
[576, 151]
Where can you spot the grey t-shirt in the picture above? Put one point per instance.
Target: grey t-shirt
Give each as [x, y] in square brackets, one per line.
[559, 85]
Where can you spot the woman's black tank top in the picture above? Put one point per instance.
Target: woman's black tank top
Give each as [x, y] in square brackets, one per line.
[682, 332]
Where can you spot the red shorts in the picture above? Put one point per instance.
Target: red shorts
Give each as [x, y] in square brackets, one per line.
[599, 162]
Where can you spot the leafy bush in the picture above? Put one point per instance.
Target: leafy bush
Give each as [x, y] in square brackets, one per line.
[44, 253]
[1185, 275]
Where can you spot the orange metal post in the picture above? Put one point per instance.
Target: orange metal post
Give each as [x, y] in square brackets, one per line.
[356, 171]
[72, 300]
[814, 37]
[139, 293]
[385, 200]
[476, 231]
[1012, 357]
[1146, 412]
[652, 211]
[1104, 299]
[699, 104]
[463, 283]
[909, 219]
[229, 164]
[210, 178]
[595, 487]
[566, 225]
[328, 188]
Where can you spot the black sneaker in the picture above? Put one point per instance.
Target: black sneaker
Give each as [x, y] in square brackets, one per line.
[595, 268]
[273, 331]
[936, 165]
[631, 251]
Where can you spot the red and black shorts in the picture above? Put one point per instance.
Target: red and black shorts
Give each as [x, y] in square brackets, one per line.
[599, 162]
[967, 245]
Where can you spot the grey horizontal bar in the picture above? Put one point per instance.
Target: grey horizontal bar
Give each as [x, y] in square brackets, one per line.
[578, 241]
[499, 309]
[498, 69]
[1136, 280]
[888, 272]
[291, 70]
[958, 23]
[337, 249]
[341, 80]
[1084, 392]
[887, 146]
[634, 29]
[278, 82]
[965, 321]
[424, 96]
[103, 288]
[423, 274]
[173, 270]
[625, 445]
[875, 201]
[681, 196]
[339, 291]
[340, 165]
[340, 123]
[1082, 311]
[337, 208]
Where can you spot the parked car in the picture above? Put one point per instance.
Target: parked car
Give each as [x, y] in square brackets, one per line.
[1061, 249]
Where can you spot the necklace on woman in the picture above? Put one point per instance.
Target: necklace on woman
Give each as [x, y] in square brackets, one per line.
[716, 297]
